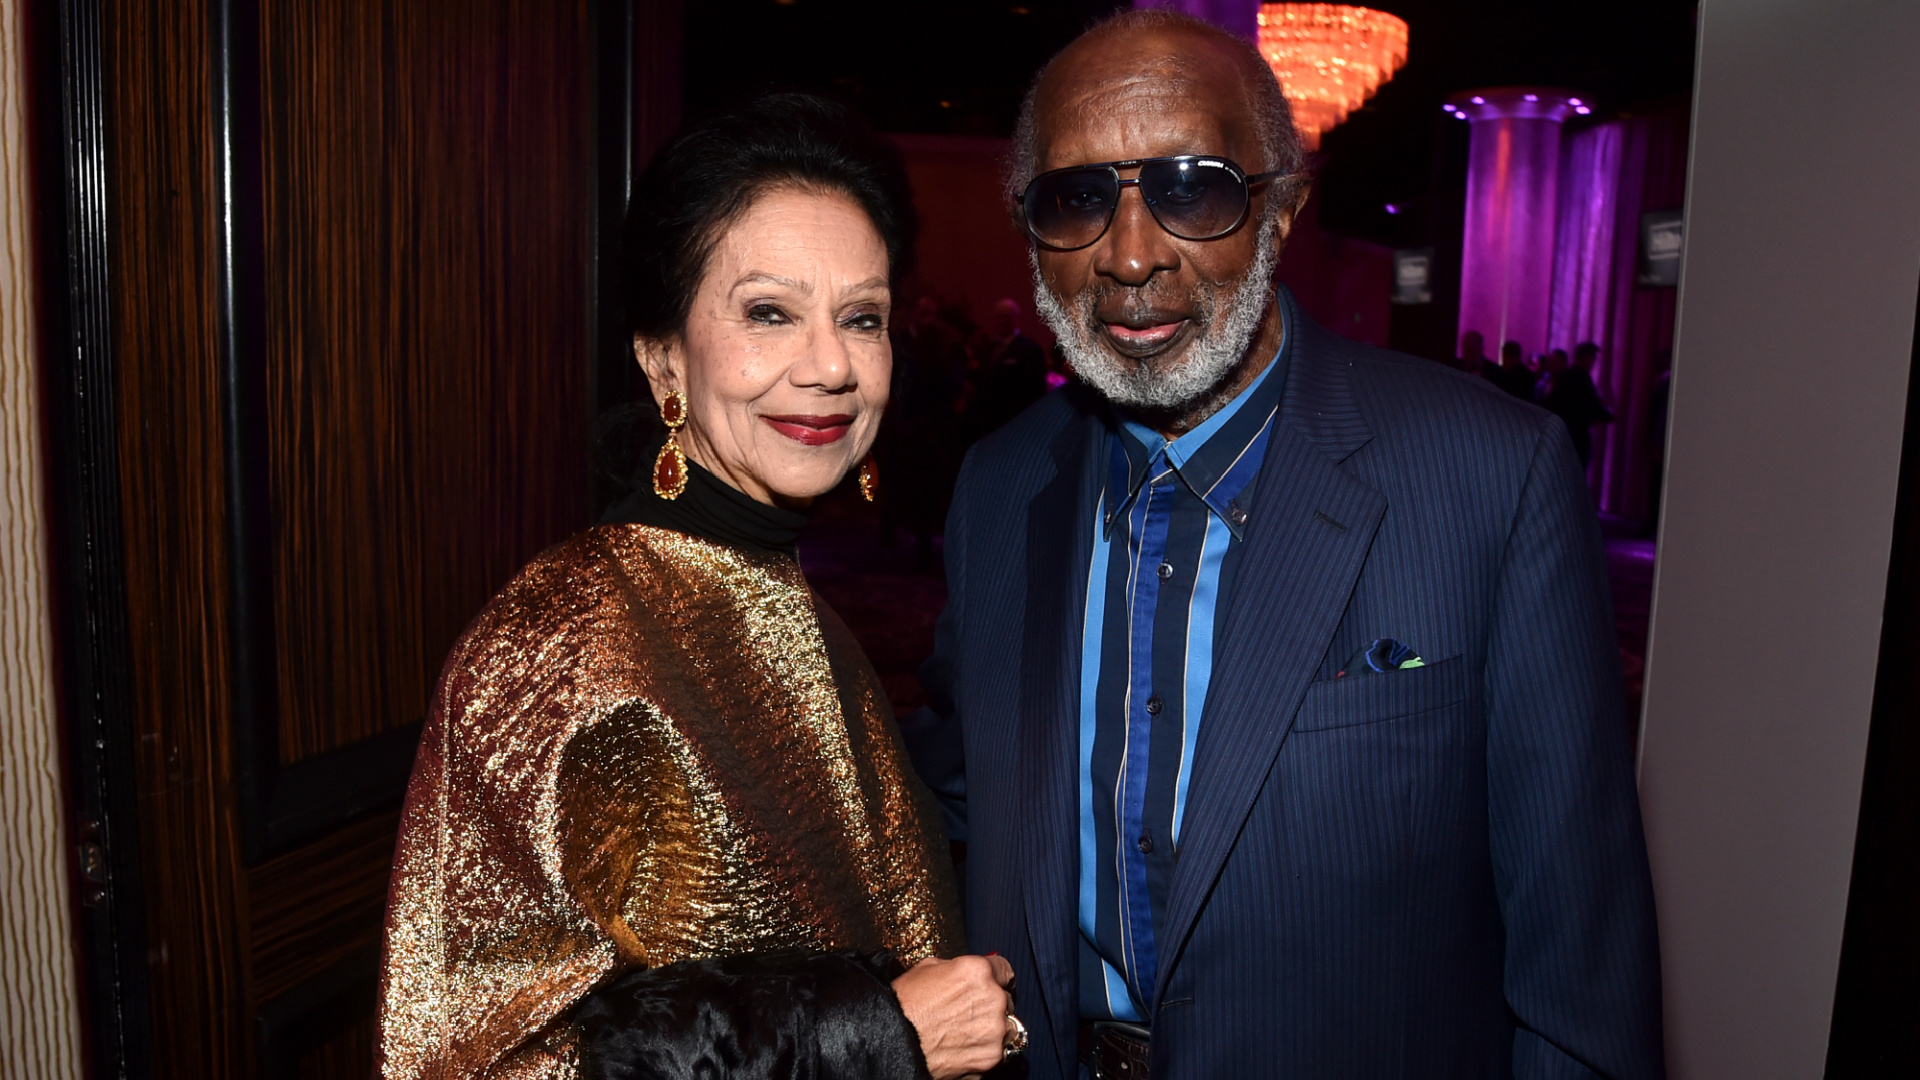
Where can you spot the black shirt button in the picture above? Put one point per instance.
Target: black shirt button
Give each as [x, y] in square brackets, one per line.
[1146, 844]
[1235, 514]
[1165, 571]
[1153, 705]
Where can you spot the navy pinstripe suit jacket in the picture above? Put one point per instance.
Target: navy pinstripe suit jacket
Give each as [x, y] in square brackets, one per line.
[1428, 873]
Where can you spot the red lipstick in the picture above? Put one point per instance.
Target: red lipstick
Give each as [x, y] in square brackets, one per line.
[812, 430]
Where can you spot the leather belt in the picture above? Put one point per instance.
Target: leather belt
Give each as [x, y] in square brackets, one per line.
[1115, 1051]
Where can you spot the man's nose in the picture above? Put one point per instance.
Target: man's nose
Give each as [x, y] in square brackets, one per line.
[1135, 246]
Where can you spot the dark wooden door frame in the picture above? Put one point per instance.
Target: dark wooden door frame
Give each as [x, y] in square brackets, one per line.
[279, 806]
[636, 109]
[79, 402]
[284, 805]
[613, 172]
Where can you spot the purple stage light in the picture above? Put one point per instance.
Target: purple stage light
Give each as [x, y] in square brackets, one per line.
[1392, 208]
[1448, 107]
[1478, 100]
[1574, 101]
[1532, 97]
[1582, 110]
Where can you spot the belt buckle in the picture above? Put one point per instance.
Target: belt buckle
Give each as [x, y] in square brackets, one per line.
[1121, 1051]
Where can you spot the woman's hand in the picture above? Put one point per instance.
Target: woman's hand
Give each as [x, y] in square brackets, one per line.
[959, 1007]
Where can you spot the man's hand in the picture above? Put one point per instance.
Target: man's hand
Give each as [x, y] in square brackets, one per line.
[959, 1007]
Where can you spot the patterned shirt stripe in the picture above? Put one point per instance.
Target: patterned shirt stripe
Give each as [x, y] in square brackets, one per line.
[1147, 647]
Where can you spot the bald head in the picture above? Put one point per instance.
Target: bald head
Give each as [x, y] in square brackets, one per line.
[1147, 60]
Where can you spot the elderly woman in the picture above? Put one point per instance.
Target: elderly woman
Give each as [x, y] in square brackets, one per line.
[661, 824]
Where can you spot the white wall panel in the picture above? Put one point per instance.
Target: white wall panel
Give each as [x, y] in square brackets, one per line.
[39, 1009]
[1794, 343]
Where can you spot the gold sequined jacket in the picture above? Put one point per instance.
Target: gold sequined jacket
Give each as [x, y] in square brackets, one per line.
[648, 749]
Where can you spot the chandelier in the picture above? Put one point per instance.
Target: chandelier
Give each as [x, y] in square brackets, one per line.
[1329, 58]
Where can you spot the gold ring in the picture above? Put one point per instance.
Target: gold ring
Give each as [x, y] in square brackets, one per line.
[1016, 1038]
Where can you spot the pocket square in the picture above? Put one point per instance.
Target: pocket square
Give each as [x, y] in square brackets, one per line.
[1385, 654]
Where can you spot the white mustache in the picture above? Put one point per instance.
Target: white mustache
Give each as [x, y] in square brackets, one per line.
[1226, 318]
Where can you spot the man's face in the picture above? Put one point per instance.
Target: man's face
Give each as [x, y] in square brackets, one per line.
[1150, 319]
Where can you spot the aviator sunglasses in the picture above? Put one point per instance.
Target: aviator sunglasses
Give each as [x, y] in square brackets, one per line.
[1192, 196]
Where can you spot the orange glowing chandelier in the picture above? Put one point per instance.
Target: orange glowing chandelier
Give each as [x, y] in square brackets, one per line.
[1330, 58]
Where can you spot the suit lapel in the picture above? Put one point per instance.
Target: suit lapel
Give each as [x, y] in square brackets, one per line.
[1059, 548]
[1311, 526]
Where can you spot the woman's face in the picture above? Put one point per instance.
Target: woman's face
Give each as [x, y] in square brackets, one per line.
[785, 362]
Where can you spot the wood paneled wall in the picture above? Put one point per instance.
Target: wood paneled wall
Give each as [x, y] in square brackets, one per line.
[425, 182]
[165, 269]
[418, 245]
[40, 1012]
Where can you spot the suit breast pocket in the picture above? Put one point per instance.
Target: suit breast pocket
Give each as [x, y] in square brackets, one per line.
[1368, 699]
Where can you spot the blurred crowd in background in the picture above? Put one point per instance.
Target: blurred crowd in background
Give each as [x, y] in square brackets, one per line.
[955, 379]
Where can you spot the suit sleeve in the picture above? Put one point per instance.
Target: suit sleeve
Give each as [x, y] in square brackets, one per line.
[1570, 864]
[933, 733]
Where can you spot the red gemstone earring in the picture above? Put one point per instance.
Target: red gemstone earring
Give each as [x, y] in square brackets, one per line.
[869, 479]
[670, 468]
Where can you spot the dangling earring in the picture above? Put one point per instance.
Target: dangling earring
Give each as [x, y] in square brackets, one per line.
[670, 468]
[869, 479]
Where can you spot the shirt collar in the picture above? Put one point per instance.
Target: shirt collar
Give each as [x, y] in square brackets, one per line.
[1202, 458]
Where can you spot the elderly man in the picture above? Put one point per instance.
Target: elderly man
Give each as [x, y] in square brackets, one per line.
[1277, 694]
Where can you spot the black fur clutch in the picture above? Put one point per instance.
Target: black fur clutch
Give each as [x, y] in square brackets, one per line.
[773, 1016]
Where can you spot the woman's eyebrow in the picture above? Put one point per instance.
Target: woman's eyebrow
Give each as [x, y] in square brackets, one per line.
[761, 277]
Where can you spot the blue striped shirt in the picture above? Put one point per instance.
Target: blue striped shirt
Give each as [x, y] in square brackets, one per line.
[1168, 528]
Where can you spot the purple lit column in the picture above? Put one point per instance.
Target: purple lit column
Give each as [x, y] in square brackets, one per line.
[1513, 188]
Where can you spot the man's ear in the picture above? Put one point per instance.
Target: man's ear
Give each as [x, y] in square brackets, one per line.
[1289, 213]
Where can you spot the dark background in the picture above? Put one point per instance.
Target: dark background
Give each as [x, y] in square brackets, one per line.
[960, 68]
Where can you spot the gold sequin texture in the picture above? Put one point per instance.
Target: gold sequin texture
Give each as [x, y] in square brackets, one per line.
[648, 748]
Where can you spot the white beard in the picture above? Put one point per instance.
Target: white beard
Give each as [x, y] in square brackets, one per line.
[1227, 328]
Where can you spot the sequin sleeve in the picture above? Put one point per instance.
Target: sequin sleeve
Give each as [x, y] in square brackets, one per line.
[487, 944]
[646, 750]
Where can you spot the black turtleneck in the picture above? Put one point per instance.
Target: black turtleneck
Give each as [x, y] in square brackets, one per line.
[712, 510]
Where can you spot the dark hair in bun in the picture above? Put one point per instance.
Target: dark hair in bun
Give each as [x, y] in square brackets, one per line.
[710, 173]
